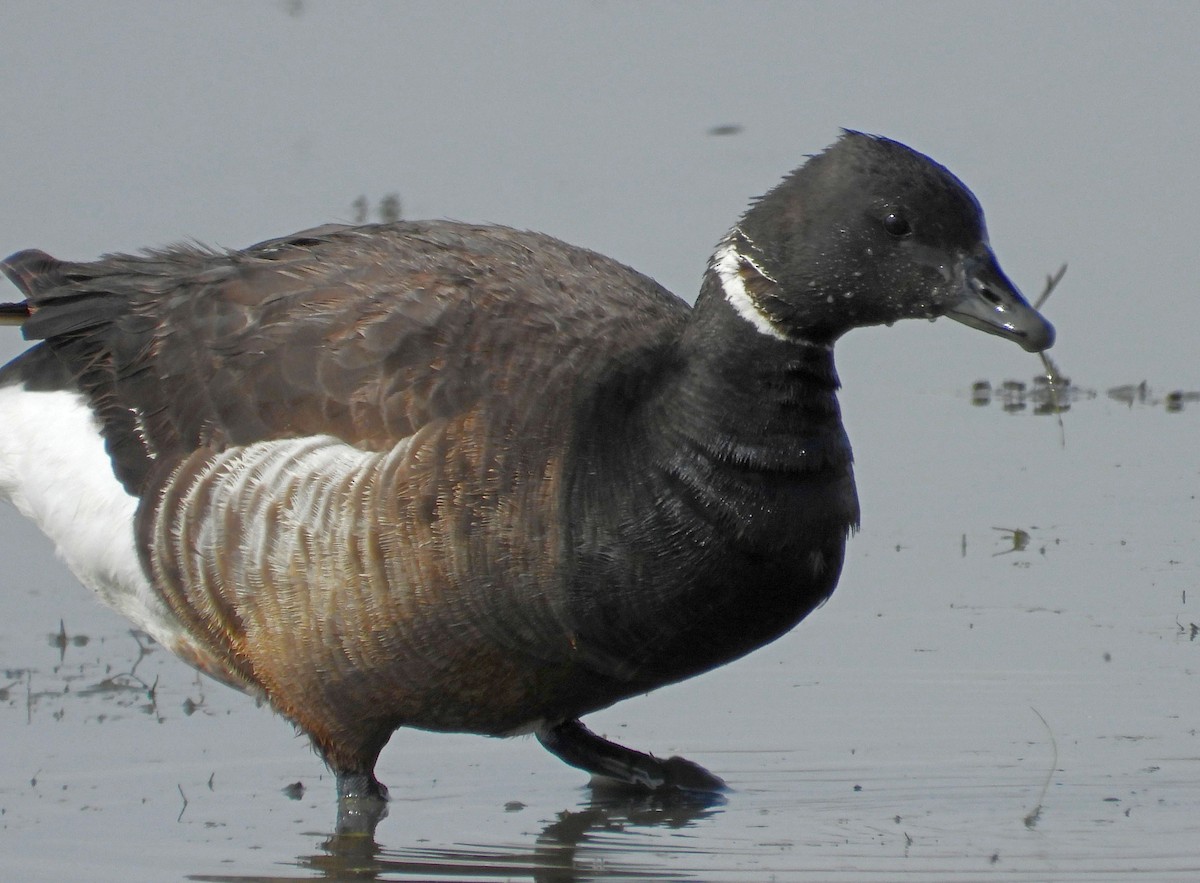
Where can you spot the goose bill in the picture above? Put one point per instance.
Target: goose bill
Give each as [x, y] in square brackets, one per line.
[991, 303]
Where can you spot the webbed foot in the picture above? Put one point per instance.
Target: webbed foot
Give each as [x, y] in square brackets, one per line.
[580, 747]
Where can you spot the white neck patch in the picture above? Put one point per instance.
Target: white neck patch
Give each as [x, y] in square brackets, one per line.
[727, 261]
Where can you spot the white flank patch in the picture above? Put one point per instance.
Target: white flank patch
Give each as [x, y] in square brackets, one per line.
[286, 493]
[727, 261]
[54, 468]
[304, 508]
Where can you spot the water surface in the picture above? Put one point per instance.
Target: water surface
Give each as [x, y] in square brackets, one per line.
[961, 707]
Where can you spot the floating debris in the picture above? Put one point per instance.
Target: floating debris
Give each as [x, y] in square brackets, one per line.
[1141, 394]
[1035, 815]
[294, 791]
[1129, 394]
[1018, 537]
[1044, 395]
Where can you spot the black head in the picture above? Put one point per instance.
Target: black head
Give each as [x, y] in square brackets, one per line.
[865, 233]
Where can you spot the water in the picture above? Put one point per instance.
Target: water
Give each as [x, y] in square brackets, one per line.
[965, 707]
[1020, 714]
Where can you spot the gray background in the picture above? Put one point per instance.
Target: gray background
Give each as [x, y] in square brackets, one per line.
[131, 124]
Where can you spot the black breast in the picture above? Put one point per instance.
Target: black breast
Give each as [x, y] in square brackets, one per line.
[710, 500]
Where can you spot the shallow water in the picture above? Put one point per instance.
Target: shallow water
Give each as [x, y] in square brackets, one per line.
[1004, 684]
[961, 708]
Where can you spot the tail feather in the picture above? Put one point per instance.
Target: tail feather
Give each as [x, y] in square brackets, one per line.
[33, 271]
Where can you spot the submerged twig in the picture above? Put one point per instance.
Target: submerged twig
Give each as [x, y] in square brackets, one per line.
[1054, 380]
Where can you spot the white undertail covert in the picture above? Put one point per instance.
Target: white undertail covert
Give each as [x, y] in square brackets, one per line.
[54, 468]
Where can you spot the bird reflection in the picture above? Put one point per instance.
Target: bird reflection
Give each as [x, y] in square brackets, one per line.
[576, 846]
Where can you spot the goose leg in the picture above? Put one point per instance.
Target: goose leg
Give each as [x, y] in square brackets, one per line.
[359, 785]
[353, 762]
[575, 744]
[362, 802]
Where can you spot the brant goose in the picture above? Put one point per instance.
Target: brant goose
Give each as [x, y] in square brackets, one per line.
[469, 478]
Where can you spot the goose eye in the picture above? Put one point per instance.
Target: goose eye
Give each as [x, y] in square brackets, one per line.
[896, 224]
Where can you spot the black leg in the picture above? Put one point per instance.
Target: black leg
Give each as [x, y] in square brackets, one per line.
[362, 803]
[360, 785]
[580, 747]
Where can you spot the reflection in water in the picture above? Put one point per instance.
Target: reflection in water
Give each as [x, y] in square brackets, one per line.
[1131, 394]
[592, 842]
[1040, 397]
